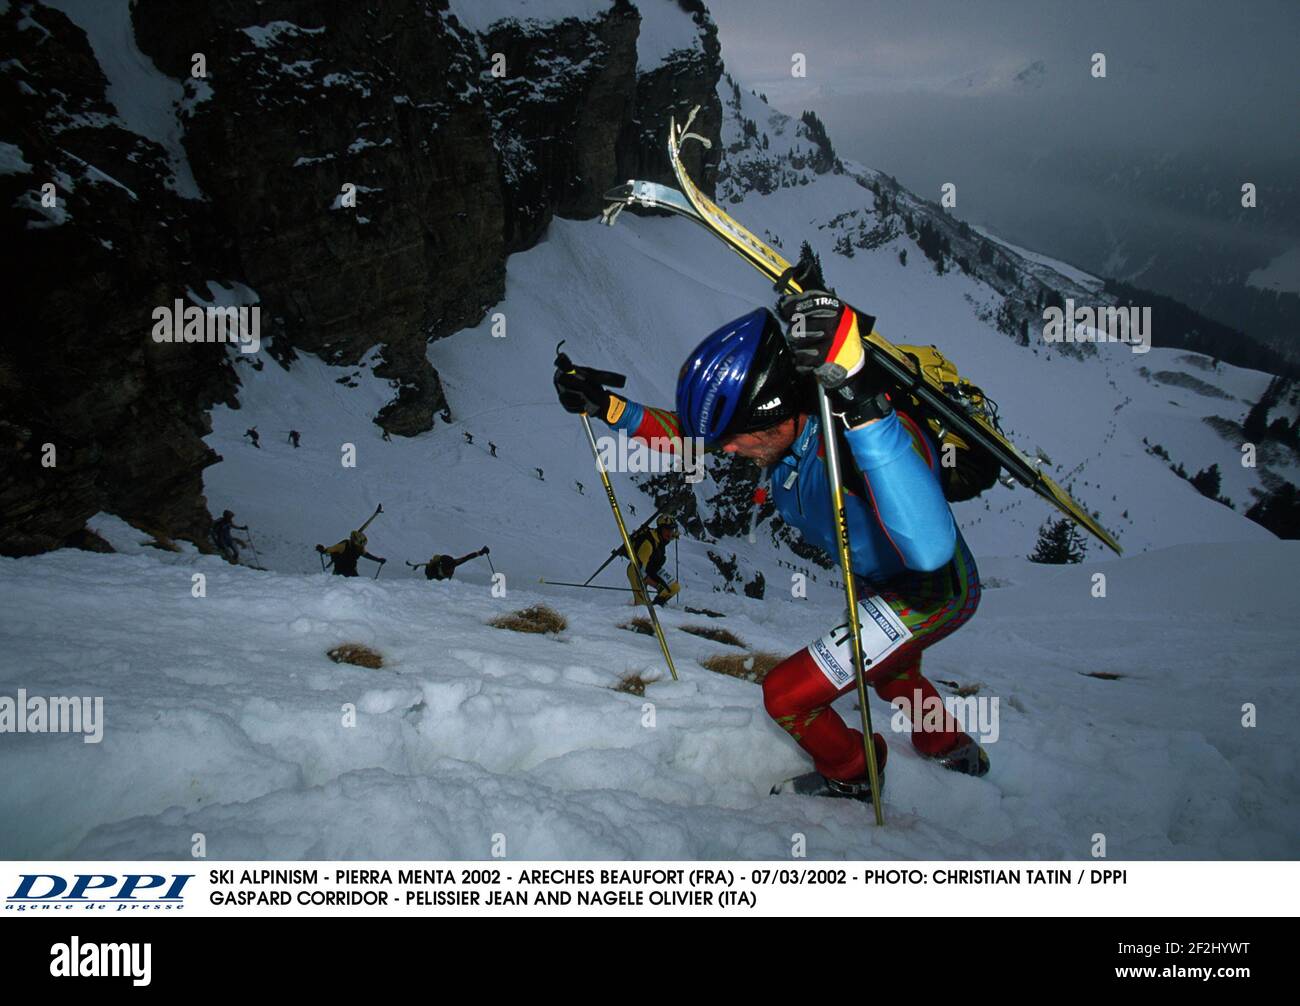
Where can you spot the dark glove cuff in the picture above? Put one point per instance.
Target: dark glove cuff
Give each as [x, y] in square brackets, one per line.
[860, 401]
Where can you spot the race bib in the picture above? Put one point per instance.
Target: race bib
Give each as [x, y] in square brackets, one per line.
[882, 633]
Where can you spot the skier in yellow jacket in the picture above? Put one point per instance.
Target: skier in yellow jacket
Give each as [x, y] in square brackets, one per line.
[344, 554]
[651, 547]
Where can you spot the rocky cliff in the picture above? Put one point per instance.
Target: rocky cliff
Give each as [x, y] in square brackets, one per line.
[358, 172]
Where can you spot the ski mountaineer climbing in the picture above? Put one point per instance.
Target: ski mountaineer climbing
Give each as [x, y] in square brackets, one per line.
[651, 547]
[441, 567]
[223, 538]
[747, 389]
[345, 554]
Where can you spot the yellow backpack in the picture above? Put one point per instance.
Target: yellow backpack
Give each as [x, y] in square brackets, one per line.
[974, 470]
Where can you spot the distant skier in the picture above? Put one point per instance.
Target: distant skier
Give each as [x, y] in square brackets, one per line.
[293, 438]
[441, 567]
[746, 389]
[223, 538]
[251, 433]
[651, 547]
[345, 554]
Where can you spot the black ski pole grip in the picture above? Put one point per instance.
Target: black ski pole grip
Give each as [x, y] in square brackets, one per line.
[606, 377]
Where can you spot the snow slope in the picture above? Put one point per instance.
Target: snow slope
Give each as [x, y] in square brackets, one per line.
[224, 717]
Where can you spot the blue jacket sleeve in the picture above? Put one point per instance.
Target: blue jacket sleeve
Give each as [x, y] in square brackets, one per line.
[904, 491]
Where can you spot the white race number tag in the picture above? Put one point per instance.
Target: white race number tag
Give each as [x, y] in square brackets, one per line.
[882, 633]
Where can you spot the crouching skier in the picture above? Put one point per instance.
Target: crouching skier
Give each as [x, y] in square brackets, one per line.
[441, 567]
[748, 389]
[345, 554]
[224, 539]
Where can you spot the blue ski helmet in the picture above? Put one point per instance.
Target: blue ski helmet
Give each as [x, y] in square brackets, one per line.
[738, 380]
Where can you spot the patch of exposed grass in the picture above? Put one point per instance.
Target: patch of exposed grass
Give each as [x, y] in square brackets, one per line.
[716, 635]
[639, 624]
[962, 691]
[539, 618]
[633, 683]
[748, 667]
[356, 653]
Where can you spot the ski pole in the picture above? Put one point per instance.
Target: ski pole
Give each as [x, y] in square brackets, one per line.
[792, 280]
[612, 556]
[589, 586]
[677, 561]
[564, 363]
[378, 569]
[488, 557]
[850, 592]
[254, 548]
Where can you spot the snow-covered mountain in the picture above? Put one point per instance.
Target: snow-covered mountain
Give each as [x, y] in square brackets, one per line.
[223, 715]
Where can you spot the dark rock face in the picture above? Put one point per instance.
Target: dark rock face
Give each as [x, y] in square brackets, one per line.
[78, 370]
[311, 100]
[304, 106]
[669, 92]
[556, 114]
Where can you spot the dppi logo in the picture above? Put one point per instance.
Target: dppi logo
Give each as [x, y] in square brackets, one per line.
[39, 892]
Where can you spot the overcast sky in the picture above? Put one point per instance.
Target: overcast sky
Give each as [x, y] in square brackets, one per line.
[1230, 69]
[927, 90]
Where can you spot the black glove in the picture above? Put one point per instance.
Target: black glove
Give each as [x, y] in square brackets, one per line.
[483, 550]
[581, 393]
[826, 336]
[320, 548]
